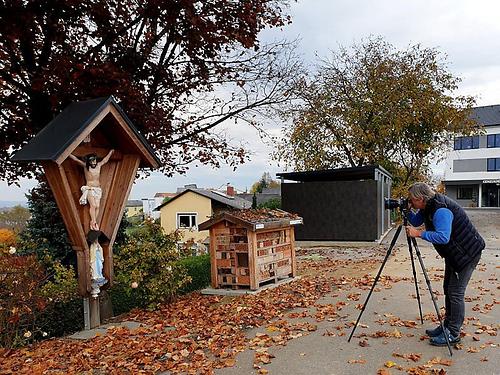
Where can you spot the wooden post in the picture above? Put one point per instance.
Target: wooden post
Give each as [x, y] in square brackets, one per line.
[252, 259]
[213, 259]
[292, 244]
[95, 312]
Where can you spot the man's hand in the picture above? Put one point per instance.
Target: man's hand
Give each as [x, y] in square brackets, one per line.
[413, 232]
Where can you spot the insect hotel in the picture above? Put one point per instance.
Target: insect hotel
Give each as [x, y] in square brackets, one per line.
[249, 248]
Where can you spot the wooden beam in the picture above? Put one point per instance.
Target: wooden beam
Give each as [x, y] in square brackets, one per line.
[291, 235]
[83, 269]
[114, 205]
[64, 155]
[118, 193]
[58, 182]
[144, 151]
[213, 258]
[252, 260]
[108, 173]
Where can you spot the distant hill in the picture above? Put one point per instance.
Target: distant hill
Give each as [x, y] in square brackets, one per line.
[8, 204]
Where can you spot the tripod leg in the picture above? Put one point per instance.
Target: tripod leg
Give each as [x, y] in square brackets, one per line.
[417, 251]
[393, 242]
[408, 238]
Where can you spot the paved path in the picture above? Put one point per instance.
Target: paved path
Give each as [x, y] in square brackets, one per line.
[326, 350]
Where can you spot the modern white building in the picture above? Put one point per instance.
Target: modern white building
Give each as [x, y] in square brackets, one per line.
[472, 172]
[149, 204]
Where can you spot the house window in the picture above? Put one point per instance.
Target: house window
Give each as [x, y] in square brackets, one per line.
[493, 140]
[493, 164]
[186, 220]
[466, 143]
[464, 192]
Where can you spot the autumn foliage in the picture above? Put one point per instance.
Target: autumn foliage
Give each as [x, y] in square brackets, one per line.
[372, 103]
[21, 301]
[34, 301]
[165, 61]
[7, 239]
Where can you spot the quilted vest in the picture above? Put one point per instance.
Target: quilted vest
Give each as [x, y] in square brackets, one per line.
[465, 241]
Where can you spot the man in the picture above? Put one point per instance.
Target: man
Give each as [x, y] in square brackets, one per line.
[454, 237]
[91, 191]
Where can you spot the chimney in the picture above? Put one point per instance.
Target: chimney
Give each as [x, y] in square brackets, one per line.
[230, 190]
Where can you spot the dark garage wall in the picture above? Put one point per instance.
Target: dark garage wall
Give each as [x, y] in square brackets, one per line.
[333, 210]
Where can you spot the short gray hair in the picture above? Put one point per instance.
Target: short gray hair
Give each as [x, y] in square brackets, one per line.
[421, 190]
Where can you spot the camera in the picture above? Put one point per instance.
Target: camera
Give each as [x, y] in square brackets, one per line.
[392, 204]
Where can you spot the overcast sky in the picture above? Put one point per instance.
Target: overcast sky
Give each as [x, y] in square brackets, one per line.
[468, 32]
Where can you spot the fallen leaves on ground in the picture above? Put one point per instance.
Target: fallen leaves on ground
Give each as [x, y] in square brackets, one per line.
[415, 357]
[196, 333]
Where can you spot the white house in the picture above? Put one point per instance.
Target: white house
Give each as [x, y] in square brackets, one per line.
[472, 174]
[149, 204]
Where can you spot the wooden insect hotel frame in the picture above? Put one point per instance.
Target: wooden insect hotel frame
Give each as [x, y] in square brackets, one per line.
[83, 128]
[249, 248]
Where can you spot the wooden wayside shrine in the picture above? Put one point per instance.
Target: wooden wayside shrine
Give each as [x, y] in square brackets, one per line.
[83, 128]
[249, 248]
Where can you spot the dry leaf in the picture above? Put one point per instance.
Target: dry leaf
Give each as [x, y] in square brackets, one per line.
[230, 362]
[360, 361]
[440, 361]
[389, 364]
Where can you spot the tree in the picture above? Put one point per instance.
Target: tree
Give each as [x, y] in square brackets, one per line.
[14, 218]
[45, 235]
[178, 68]
[271, 204]
[374, 104]
[266, 181]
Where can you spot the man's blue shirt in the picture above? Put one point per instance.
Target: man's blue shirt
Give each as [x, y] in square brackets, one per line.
[442, 220]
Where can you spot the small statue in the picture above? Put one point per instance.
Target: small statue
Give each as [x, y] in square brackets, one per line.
[96, 263]
[91, 191]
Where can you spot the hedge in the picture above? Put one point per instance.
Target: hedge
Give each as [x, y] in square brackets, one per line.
[198, 267]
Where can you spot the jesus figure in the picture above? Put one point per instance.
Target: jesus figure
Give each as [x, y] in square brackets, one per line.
[91, 191]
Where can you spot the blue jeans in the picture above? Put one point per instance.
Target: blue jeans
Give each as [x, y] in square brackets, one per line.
[454, 286]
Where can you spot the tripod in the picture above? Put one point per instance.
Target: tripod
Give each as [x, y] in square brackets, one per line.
[411, 241]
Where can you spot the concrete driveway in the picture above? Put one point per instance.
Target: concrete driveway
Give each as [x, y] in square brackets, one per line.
[390, 338]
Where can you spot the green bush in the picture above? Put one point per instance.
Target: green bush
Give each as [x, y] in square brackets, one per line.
[62, 318]
[64, 313]
[147, 262]
[123, 298]
[198, 268]
[271, 204]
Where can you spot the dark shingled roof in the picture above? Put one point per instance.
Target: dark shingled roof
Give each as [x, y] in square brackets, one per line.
[487, 115]
[134, 203]
[235, 202]
[340, 174]
[60, 133]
